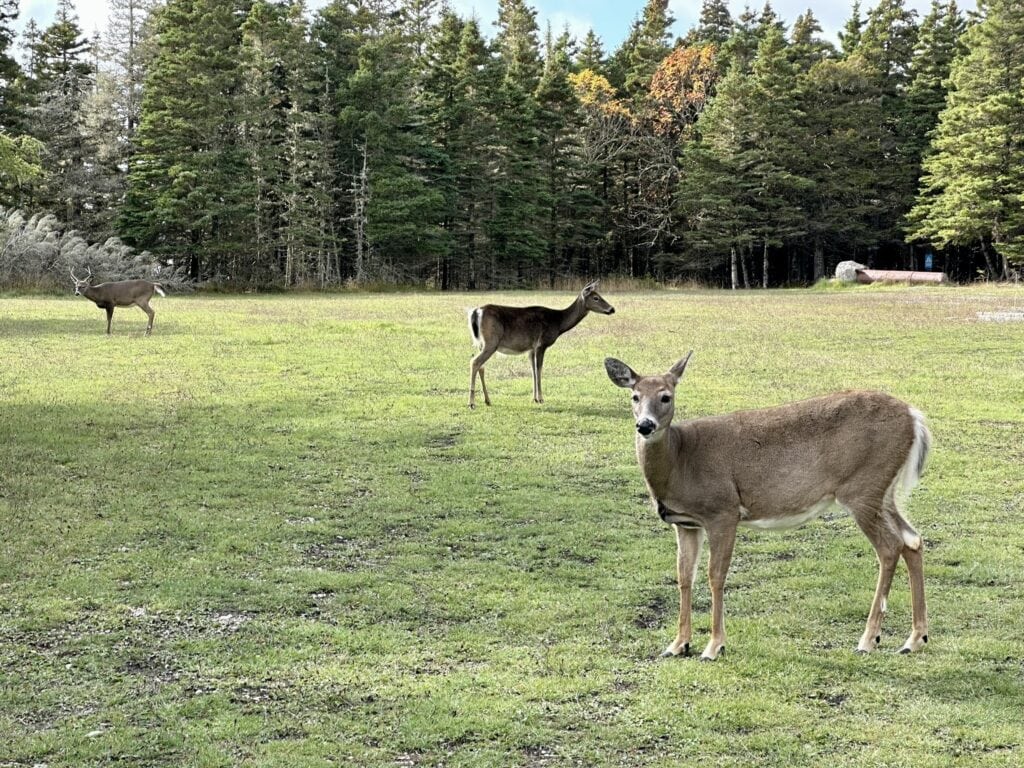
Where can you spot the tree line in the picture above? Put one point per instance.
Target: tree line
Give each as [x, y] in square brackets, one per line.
[256, 144]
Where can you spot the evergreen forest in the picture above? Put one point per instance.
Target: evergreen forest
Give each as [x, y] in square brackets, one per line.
[259, 144]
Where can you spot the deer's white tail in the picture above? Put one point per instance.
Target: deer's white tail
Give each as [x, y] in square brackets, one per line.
[910, 473]
[473, 316]
[159, 289]
[912, 468]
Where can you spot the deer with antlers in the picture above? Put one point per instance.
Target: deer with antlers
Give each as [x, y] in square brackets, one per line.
[514, 330]
[123, 293]
[778, 468]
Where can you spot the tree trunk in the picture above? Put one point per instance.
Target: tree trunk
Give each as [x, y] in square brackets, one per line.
[990, 267]
[819, 260]
[743, 267]
[735, 275]
[764, 266]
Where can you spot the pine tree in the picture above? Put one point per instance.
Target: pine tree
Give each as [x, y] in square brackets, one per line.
[807, 47]
[473, 149]
[715, 192]
[714, 25]
[558, 115]
[64, 77]
[650, 47]
[938, 44]
[19, 153]
[397, 213]
[849, 37]
[749, 158]
[515, 228]
[886, 50]
[271, 44]
[12, 101]
[591, 55]
[189, 190]
[971, 189]
[842, 128]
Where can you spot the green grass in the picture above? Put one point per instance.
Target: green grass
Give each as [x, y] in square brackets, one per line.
[273, 534]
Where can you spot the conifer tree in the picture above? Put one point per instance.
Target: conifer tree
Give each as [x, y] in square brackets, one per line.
[714, 25]
[650, 47]
[842, 128]
[515, 227]
[189, 191]
[807, 47]
[63, 79]
[971, 189]
[849, 37]
[591, 55]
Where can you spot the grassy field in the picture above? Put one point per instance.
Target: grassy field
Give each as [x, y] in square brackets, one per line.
[273, 534]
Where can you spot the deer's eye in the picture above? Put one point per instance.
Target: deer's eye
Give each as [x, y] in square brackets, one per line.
[666, 398]
[636, 398]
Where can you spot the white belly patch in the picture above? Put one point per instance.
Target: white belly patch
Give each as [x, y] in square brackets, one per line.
[787, 521]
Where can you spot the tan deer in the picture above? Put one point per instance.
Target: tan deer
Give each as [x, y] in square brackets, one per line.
[514, 330]
[778, 468]
[123, 293]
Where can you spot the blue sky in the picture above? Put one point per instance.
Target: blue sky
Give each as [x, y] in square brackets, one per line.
[609, 18]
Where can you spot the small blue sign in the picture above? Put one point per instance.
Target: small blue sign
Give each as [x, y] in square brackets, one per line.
[928, 260]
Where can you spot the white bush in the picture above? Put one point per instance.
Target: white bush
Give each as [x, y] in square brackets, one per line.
[37, 252]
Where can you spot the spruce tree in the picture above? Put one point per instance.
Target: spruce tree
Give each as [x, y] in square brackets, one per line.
[515, 229]
[189, 191]
[971, 189]
[714, 25]
[64, 77]
[650, 48]
[12, 106]
[849, 37]
[807, 47]
[591, 55]
[842, 128]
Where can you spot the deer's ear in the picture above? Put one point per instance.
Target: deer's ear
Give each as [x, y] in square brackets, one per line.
[677, 370]
[620, 373]
[589, 288]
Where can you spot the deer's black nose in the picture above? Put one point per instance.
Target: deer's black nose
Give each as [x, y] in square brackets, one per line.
[645, 427]
[611, 310]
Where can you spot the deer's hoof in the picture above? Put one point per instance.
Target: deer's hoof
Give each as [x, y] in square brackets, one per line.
[707, 656]
[668, 653]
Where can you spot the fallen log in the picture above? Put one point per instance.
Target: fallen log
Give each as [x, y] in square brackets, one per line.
[899, 276]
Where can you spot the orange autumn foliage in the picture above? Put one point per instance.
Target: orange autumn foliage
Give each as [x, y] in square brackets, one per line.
[681, 86]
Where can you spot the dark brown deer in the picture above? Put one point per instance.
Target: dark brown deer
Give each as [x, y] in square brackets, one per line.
[123, 293]
[777, 468]
[514, 330]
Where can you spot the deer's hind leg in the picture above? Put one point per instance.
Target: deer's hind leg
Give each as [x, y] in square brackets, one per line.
[537, 364]
[912, 554]
[144, 306]
[888, 533]
[110, 316]
[477, 366]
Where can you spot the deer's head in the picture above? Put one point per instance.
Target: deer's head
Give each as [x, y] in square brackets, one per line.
[593, 302]
[81, 283]
[654, 397]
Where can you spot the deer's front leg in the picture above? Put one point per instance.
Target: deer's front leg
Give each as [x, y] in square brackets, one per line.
[688, 544]
[110, 317]
[721, 539]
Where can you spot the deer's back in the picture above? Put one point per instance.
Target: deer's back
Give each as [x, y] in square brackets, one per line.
[122, 293]
[795, 454]
[519, 328]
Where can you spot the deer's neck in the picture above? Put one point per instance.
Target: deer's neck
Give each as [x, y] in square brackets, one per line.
[572, 315]
[659, 460]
